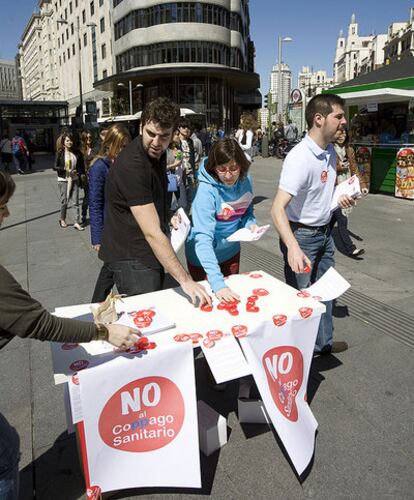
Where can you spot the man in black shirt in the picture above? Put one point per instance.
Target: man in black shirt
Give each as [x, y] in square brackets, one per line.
[135, 244]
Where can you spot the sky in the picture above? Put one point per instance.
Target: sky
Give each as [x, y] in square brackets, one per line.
[313, 24]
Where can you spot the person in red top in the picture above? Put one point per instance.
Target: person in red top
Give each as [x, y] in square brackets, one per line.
[20, 153]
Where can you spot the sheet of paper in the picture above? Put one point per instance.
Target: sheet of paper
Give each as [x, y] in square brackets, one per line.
[244, 234]
[329, 287]
[351, 187]
[179, 235]
[147, 321]
[75, 399]
[224, 357]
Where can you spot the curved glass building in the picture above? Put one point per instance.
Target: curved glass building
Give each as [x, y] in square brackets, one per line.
[198, 53]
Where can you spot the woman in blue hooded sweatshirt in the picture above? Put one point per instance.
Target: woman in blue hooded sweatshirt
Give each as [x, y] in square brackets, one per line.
[223, 204]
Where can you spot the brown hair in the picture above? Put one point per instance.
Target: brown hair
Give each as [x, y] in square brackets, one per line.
[163, 112]
[321, 104]
[7, 187]
[249, 121]
[60, 146]
[222, 152]
[114, 141]
[83, 140]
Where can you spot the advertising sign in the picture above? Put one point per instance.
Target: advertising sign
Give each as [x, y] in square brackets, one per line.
[140, 420]
[363, 159]
[404, 181]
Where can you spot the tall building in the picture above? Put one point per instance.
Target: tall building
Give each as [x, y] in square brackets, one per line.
[313, 82]
[286, 87]
[400, 40]
[9, 89]
[200, 54]
[351, 51]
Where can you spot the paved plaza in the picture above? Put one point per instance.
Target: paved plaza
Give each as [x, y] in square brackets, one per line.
[362, 399]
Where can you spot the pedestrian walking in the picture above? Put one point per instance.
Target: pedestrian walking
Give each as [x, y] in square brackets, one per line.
[23, 316]
[188, 160]
[245, 134]
[116, 138]
[20, 153]
[346, 166]
[223, 204]
[6, 152]
[136, 237]
[175, 172]
[87, 145]
[301, 209]
[69, 166]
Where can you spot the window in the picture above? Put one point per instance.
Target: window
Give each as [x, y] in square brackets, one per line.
[73, 49]
[83, 16]
[60, 61]
[66, 13]
[64, 58]
[63, 38]
[68, 53]
[103, 51]
[58, 43]
[85, 39]
[67, 33]
[70, 8]
[102, 24]
[101, 3]
[71, 29]
[104, 73]
[92, 8]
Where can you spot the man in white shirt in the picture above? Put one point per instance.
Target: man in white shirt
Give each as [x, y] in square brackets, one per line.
[301, 208]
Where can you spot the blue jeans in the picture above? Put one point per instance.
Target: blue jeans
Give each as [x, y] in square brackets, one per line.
[318, 245]
[9, 461]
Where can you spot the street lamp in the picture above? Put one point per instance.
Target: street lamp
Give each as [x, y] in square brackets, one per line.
[139, 85]
[279, 83]
[89, 25]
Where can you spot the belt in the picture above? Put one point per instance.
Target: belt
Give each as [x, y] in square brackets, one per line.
[305, 226]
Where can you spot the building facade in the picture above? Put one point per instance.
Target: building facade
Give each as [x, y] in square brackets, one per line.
[9, 88]
[117, 51]
[313, 82]
[400, 40]
[286, 88]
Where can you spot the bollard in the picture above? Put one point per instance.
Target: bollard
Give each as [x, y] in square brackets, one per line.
[265, 146]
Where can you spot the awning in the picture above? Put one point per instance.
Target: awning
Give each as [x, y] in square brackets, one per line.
[137, 116]
[377, 95]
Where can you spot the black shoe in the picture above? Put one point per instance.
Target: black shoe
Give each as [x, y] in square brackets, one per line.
[357, 252]
[338, 346]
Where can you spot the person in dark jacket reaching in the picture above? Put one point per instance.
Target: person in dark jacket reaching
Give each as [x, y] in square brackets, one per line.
[23, 316]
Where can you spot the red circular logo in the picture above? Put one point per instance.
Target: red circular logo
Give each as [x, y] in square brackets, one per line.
[305, 312]
[182, 337]
[303, 295]
[144, 415]
[324, 176]
[68, 346]
[75, 379]
[279, 319]
[195, 337]
[239, 331]
[206, 308]
[214, 335]
[256, 275]
[208, 343]
[78, 365]
[262, 292]
[284, 371]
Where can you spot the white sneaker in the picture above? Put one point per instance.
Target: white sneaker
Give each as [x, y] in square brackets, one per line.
[78, 227]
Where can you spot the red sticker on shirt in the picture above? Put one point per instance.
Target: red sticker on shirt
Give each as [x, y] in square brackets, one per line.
[279, 319]
[305, 312]
[79, 364]
[324, 176]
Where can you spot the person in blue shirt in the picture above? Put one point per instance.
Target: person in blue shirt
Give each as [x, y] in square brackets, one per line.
[222, 205]
[116, 138]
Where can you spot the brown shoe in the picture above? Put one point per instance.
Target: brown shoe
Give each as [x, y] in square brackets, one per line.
[339, 346]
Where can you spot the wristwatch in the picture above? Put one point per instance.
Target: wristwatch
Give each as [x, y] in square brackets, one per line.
[102, 332]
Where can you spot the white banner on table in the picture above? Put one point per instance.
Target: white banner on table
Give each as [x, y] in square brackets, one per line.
[329, 287]
[224, 356]
[279, 354]
[140, 418]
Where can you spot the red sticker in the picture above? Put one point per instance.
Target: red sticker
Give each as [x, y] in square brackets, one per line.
[252, 309]
[182, 337]
[93, 493]
[262, 292]
[324, 176]
[256, 275]
[284, 371]
[208, 343]
[214, 334]
[144, 415]
[279, 319]
[234, 312]
[146, 312]
[306, 269]
[195, 337]
[206, 308]
[69, 346]
[305, 312]
[252, 298]
[239, 331]
[75, 379]
[78, 365]
[303, 294]
[222, 306]
[316, 297]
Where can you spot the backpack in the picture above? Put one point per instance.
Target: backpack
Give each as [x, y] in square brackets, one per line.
[291, 132]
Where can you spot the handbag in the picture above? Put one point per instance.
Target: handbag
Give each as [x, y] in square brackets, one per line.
[172, 182]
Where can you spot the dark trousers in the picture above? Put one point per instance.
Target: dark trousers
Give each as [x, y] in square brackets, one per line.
[131, 277]
[104, 284]
[228, 267]
[342, 221]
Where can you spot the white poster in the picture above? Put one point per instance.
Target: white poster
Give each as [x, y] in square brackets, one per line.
[279, 353]
[140, 419]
